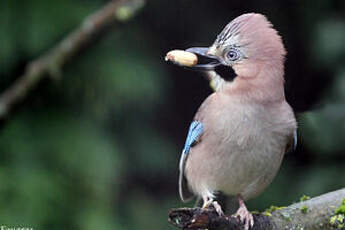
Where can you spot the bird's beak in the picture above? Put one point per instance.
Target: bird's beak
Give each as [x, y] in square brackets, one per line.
[206, 61]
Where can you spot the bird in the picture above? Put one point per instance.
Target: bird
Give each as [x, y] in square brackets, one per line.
[239, 135]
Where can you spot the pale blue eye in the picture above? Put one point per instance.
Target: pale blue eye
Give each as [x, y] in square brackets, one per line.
[233, 55]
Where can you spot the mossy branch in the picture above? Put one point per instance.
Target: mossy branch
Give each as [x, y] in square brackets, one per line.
[319, 213]
[51, 63]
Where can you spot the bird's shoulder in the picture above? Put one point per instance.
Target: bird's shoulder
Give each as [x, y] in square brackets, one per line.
[211, 99]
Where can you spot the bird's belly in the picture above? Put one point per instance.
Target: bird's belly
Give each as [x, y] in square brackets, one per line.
[244, 166]
[249, 172]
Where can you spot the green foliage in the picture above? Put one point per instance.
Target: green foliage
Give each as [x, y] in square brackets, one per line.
[304, 209]
[43, 171]
[273, 208]
[341, 208]
[304, 198]
[338, 221]
[331, 47]
[326, 137]
[268, 211]
[33, 26]
[62, 166]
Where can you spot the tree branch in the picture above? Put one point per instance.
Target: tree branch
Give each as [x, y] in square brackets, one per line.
[313, 214]
[51, 63]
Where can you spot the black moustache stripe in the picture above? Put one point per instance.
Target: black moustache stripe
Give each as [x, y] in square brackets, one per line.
[225, 72]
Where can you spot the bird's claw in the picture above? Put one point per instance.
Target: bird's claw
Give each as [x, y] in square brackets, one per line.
[245, 217]
[216, 206]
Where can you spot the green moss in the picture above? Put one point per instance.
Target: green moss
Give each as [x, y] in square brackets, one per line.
[338, 219]
[341, 208]
[265, 213]
[268, 211]
[304, 209]
[274, 208]
[304, 198]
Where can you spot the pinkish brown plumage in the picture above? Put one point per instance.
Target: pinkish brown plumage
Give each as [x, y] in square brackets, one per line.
[240, 133]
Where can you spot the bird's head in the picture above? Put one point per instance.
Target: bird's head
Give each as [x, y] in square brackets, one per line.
[247, 45]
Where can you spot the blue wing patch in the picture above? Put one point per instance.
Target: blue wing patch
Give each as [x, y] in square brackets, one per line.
[195, 130]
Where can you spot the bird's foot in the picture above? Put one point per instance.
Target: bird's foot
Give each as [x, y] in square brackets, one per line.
[216, 206]
[244, 215]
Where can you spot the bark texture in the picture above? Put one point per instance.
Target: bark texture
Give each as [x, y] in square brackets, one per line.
[313, 214]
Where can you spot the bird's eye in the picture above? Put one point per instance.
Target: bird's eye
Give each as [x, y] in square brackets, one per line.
[233, 55]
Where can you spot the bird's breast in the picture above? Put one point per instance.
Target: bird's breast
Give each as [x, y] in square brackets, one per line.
[240, 151]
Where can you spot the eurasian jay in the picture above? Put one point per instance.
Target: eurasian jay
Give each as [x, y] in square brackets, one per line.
[240, 133]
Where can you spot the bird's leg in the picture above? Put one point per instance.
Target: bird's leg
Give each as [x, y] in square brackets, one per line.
[244, 215]
[216, 205]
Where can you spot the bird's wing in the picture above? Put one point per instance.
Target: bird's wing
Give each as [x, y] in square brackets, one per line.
[195, 131]
[291, 146]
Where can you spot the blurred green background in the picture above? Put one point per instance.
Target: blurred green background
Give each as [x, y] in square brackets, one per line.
[99, 147]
